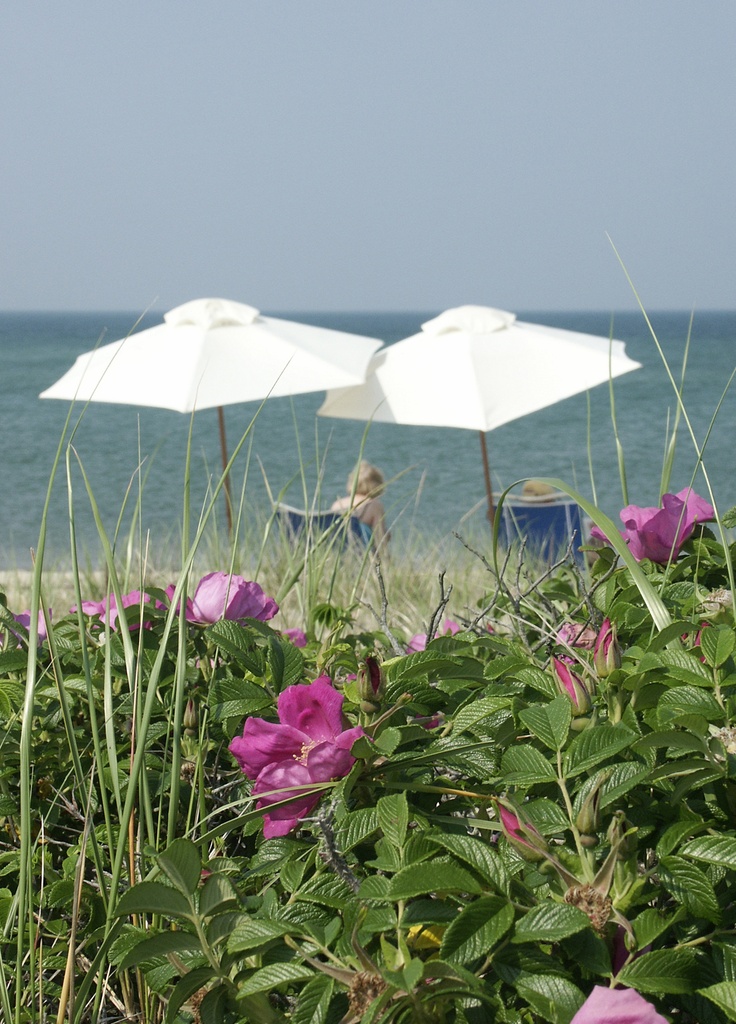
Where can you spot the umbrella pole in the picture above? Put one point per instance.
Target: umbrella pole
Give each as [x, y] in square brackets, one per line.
[223, 449]
[491, 513]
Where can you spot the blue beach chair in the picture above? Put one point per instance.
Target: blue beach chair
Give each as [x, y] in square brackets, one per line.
[295, 522]
[547, 527]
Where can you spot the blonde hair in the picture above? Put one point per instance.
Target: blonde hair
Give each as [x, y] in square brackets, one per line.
[366, 479]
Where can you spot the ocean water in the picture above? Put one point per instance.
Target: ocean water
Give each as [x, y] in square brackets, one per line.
[436, 479]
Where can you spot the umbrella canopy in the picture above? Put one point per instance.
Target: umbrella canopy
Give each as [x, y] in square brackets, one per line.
[214, 352]
[477, 368]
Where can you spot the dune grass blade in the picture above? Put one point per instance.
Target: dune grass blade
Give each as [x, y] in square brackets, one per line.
[671, 447]
[614, 422]
[25, 910]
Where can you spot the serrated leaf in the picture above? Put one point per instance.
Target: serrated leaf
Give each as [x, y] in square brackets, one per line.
[691, 887]
[388, 740]
[687, 700]
[526, 766]
[712, 849]
[161, 945]
[723, 994]
[218, 892]
[650, 924]
[393, 818]
[153, 898]
[479, 856]
[237, 698]
[540, 681]
[273, 975]
[717, 644]
[549, 722]
[622, 778]
[440, 875]
[181, 863]
[596, 745]
[213, 1006]
[684, 667]
[356, 827]
[314, 1001]
[252, 932]
[237, 641]
[664, 970]
[327, 890]
[474, 932]
[555, 998]
[473, 713]
[550, 922]
[185, 988]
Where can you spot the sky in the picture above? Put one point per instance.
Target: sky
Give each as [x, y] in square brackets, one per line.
[328, 155]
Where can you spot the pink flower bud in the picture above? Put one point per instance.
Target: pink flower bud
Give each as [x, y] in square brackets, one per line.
[523, 836]
[572, 686]
[606, 654]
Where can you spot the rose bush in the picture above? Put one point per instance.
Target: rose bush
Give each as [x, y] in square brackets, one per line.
[559, 846]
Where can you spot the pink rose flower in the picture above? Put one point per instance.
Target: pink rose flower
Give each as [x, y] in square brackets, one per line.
[572, 634]
[659, 533]
[307, 746]
[297, 636]
[222, 596]
[617, 1006]
[24, 618]
[419, 641]
[134, 599]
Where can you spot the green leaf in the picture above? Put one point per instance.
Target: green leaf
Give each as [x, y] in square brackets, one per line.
[153, 898]
[253, 932]
[327, 890]
[356, 827]
[237, 698]
[596, 745]
[213, 1006]
[664, 970]
[270, 977]
[540, 681]
[440, 875]
[161, 945]
[555, 998]
[388, 740]
[185, 988]
[217, 893]
[550, 922]
[238, 641]
[723, 994]
[477, 929]
[314, 1001]
[476, 711]
[551, 722]
[687, 700]
[691, 887]
[684, 667]
[393, 817]
[526, 766]
[650, 924]
[712, 849]
[181, 863]
[479, 855]
[717, 644]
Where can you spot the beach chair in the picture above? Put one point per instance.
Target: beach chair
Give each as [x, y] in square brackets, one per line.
[295, 523]
[547, 525]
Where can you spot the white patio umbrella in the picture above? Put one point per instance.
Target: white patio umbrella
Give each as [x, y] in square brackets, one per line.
[214, 352]
[477, 368]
